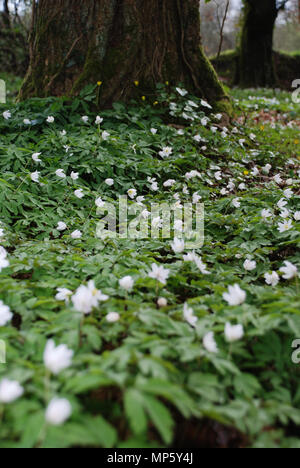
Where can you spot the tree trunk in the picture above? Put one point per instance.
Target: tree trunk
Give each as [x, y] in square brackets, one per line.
[256, 67]
[6, 14]
[118, 42]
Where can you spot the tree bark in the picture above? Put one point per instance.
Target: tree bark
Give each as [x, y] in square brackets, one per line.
[118, 42]
[256, 67]
[6, 14]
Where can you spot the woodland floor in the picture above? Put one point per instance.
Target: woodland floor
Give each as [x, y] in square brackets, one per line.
[149, 376]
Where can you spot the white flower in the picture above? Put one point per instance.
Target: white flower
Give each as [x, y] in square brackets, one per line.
[145, 214]
[153, 131]
[233, 332]
[3, 253]
[7, 115]
[58, 411]
[105, 135]
[297, 216]
[63, 294]
[272, 278]
[83, 300]
[162, 302]
[177, 245]
[218, 116]
[27, 122]
[235, 296]
[132, 193]
[282, 203]
[57, 358]
[209, 343]
[127, 283]
[218, 175]
[236, 203]
[182, 92]
[140, 200]
[61, 226]
[157, 222]
[178, 225]
[96, 293]
[4, 263]
[60, 173]
[98, 120]
[204, 121]
[1, 233]
[10, 391]
[254, 171]
[267, 168]
[288, 193]
[159, 273]
[249, 265]
[99, 202]
[192, 174]
[167, 151]
[109, 182]
[35, 176]
[87, 297]
[231, 185]
[112, 317]
[224, 191]
[63, 133]
[285, 213]
[266, 214]
[278, 179]
[154, 187]
[74, 175]
[198, 138]
[169, 183]
[50, 119]
[189, 316]
[36, 158]
[5, 314]
[286, 226]
[76, 234]
[85, 119]
[196, 198]
[202, 267]
[205, 104]
[290, 271]
[79, 193]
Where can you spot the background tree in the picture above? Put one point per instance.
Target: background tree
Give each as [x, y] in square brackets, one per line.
[287, 31]
[256, 67]
[14, 28]
[118, 42]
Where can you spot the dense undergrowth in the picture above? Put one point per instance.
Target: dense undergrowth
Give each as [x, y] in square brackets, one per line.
[144, 374]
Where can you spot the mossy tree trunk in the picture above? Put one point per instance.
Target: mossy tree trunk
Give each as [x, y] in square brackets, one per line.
[256, 67]
[118, 42]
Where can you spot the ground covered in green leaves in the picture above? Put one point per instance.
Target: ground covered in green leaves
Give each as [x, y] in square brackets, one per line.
[144, 374]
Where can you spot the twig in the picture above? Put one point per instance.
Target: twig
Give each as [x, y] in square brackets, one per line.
[222, 29]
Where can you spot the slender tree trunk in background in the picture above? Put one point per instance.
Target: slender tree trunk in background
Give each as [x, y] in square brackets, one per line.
[77, 42]
[256, 67]
[6, 14]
